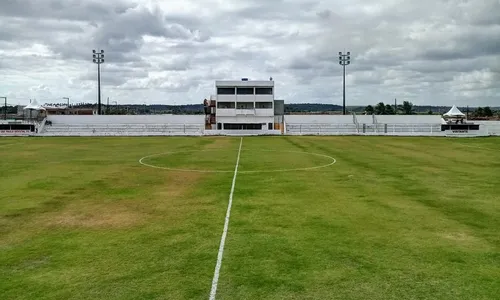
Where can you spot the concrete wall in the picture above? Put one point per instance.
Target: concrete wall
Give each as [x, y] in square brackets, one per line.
[127, 119]
[348, 119]
[491, 127]
[319, 119]
[245, 119]
[408, 119]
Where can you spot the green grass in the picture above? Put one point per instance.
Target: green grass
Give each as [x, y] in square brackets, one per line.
[393, 218]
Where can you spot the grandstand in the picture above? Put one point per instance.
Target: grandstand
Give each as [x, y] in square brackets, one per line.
[127, 125]
[364, 125]
[194, 125]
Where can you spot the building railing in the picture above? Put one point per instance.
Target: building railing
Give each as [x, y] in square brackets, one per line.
[365, 129]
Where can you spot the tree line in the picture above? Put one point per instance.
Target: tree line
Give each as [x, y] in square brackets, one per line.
[387, 109]
[407, 108]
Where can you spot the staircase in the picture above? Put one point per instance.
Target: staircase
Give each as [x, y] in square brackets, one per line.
[355, 120]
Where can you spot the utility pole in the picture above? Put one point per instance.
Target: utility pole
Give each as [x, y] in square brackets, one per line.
[395, 106]
[5, 108]
[344, 60]
[98, 59]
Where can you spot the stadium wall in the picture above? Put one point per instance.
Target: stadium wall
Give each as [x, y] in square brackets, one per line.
[127, 119]
[141, 125]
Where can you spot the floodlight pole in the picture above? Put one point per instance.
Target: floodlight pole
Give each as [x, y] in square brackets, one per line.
[5, 108]
[344, 60]
[98, 58]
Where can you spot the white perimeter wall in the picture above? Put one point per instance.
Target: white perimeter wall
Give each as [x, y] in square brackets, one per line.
[127, 119]
[492, 127]
[319, 119]
[408, 119]
[348, 119]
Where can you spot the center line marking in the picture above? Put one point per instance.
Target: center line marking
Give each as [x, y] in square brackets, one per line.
[213, 291]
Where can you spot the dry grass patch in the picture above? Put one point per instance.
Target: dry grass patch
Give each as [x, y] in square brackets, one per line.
[106, 215]
[223, 143]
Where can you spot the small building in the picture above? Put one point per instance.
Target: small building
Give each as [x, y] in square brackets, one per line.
[244, 105]
[68, 110]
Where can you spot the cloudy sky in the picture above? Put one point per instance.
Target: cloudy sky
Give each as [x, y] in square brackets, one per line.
[438, 52]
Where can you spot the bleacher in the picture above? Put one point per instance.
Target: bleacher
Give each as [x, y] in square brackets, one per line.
[321, 128]
[127, 125]
[491, 127]
[122, 129]
[363, 125]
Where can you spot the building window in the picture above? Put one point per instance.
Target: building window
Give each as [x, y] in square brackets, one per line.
[264, 91]
[244, 91]
[226, 104]
[265, 105]
[245, 105]
[226, 91]
[245, 126]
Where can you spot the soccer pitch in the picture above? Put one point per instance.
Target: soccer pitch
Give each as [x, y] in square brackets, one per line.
[310, 218]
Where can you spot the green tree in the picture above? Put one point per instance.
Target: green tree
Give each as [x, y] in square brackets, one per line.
[380, 108]
[369, 110]
[430, 112]
[407, 108]
[487, 112]
[389, 109]
[479, 112]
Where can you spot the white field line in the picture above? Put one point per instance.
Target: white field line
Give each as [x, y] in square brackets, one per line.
[215, 280]
[332, 161]
[477, 147]
[7, 145]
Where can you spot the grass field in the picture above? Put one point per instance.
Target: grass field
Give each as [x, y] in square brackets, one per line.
[393, 218]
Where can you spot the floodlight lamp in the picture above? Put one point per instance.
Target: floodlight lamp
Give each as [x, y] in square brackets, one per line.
[93, 51]
[102, 51]
[94, 60]
[348, 62]
[102, 60]
[340, 53]
[348, 53]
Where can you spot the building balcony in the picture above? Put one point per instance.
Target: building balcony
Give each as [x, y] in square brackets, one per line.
[264, 112]
[226, 112]
[245, 111]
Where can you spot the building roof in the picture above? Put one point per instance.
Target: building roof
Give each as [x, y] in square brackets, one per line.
[454, 112]
[242, 83]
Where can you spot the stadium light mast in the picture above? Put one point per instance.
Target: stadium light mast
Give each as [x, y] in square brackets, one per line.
[98, 58]
[5, 108]
[344, 60]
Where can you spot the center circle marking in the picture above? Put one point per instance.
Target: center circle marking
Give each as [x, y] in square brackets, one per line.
[331, 162]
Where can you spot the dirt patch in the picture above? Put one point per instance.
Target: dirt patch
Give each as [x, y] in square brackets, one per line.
[464, 239]
[178, 184]
[458, 236]
[109, 215]
[226, 143]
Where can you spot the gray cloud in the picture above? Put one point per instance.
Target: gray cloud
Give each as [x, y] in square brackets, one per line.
[423, 51]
